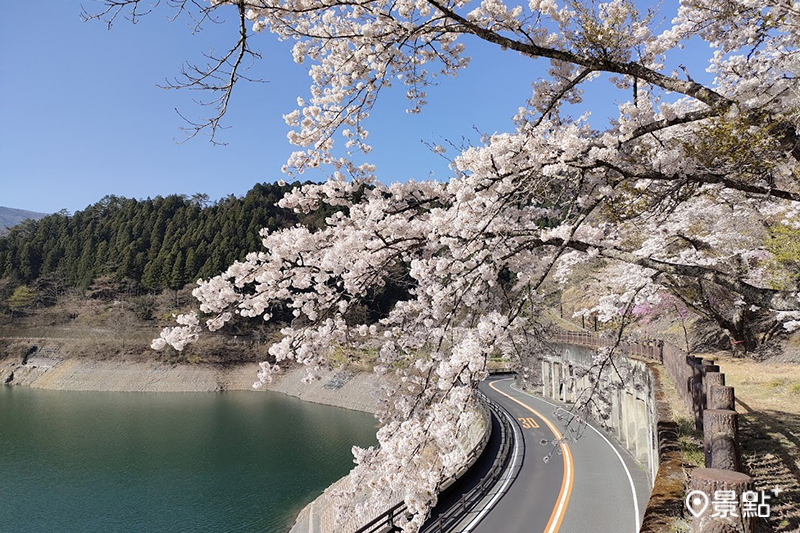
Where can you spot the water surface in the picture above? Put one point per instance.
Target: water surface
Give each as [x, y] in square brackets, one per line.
[177, 462]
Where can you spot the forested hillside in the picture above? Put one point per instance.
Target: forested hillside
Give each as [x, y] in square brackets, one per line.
[158, 243]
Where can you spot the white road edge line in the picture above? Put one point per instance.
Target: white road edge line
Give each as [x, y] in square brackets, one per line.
[622, 462]
[564, 494]
[509, 473]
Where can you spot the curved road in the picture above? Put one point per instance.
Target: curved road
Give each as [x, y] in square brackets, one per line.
[590, 484]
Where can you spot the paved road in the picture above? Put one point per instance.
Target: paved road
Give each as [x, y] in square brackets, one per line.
[589, 485]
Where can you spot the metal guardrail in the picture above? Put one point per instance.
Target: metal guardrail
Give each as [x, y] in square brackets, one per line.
[385, 523]
[468, 500]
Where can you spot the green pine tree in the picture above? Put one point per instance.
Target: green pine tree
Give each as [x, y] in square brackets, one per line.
[177, 277]
[22, 298]
[151, 277]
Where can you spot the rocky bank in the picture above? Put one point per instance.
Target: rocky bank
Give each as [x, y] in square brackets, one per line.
[340, 389]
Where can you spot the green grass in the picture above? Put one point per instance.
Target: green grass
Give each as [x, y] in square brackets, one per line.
[690, 442]
[777, 383]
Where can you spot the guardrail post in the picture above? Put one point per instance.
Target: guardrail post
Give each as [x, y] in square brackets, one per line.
[712, 379]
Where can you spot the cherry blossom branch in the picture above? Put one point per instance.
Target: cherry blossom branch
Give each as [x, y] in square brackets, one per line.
[636, 70]
[657, 125]
[703, 179]
[764, 297]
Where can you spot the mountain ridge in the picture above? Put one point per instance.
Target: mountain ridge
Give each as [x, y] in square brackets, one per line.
[11, 216]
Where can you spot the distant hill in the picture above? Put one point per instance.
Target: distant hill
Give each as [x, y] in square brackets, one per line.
[163, 242]
[10, 217]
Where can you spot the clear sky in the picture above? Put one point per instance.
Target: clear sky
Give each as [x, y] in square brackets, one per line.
[83, 116]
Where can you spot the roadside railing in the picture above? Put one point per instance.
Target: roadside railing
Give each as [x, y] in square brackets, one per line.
[385, 522]
[651, 349]
[469, 499]
[701, 386]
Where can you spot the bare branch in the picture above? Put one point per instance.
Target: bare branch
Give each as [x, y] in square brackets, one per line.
[218, 76]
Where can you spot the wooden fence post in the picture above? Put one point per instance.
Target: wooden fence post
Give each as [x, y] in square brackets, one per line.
[696, 390]
[721, 397]
[710, 481]
[720, 432]
[709, 380]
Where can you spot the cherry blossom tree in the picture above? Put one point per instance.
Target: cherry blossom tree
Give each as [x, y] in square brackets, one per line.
[679, 192]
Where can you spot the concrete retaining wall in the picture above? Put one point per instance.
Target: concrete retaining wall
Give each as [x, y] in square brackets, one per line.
[631, 413]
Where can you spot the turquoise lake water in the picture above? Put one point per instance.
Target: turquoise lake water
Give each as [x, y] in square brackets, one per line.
[172, 462]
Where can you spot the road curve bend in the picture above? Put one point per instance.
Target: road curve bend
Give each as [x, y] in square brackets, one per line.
[589, 485]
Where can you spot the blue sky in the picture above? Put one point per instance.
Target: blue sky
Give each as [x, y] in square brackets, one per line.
[82, 115]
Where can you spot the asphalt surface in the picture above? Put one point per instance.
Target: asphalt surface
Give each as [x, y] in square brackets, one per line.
[591, 484]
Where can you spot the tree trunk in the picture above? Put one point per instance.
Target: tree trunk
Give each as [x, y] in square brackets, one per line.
[738, 347]
[746, 327]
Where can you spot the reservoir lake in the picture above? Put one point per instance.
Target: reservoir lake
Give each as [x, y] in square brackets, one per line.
[172, 462]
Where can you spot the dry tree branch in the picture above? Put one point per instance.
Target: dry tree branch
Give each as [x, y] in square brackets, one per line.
[218, 76]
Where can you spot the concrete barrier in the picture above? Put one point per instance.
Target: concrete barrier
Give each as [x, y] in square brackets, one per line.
[629, 405]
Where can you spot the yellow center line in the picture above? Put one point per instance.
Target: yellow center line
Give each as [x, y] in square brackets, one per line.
[566, 483]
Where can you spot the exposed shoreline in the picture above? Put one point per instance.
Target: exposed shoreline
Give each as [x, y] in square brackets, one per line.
[338, 389]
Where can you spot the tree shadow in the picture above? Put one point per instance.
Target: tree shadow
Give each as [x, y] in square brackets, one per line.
[771, 451]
